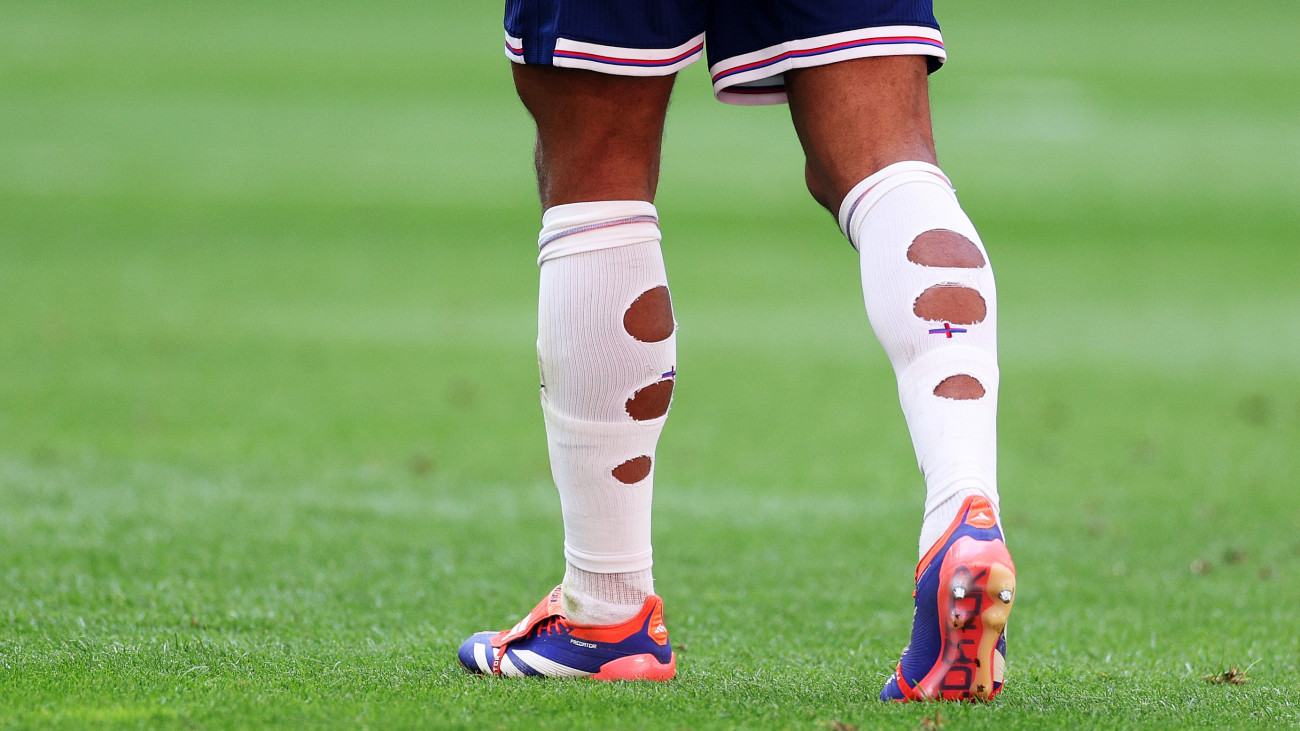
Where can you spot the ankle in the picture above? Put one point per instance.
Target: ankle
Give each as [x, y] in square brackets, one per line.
[938, 518]
[602, 599]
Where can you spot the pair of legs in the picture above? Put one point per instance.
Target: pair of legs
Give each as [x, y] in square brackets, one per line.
[599, 138]
[606, 349]
[598, 135]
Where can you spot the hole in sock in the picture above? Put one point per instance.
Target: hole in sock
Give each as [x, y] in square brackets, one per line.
[651, 402]
[951, 303]
[632, 471]
[943, 248]
[650, 318]
[960, 388]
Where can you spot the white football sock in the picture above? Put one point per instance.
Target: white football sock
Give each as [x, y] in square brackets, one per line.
[885, 217]
[606, 348]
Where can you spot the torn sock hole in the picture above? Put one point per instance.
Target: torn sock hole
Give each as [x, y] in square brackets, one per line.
[651, 402]
[632, 471]
[960, 388]
[951, 303]
[650, 318]
[943, 248]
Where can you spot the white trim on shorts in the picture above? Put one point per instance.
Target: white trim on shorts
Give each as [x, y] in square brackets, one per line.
[514, 48]
[756, 78]
[614, 59]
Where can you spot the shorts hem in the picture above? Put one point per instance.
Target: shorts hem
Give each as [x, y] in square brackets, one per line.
[757, 78]
[616, 60]
[514, 48]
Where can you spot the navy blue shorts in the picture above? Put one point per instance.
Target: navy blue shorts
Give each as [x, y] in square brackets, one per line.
[751, 43]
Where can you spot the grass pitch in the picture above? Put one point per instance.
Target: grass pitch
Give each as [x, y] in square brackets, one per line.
[269, 440]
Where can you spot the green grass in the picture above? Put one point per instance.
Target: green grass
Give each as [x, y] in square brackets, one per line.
[269, 439]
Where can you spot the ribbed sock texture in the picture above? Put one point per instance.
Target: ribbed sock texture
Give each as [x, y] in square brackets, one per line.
[955, 440]
[597, 260]
[602, 599]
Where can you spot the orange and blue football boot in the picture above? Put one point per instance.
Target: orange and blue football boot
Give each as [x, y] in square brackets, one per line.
[546, 643]
[965, 588]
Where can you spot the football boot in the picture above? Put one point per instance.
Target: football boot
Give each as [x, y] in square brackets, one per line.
[965, 588]
[546, 643]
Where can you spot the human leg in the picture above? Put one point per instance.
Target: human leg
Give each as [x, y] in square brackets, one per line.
[927, 281]
[930, 296]
[606, 344]
[606, 352]
[598, 135]
[857, 117]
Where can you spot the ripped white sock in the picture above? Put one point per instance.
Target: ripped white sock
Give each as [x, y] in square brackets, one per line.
[606, 348]
[921, 259]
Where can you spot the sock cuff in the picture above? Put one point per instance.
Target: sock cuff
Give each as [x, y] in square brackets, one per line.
[577, 228]
[604, 563]
[867, 193]
[928, 369]
[586, 433]
[594, 562]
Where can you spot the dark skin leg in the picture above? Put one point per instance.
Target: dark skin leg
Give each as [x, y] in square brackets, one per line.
[598, 136]
[854, 118]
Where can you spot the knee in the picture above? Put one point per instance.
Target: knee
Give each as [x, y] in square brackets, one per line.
[820, 186]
